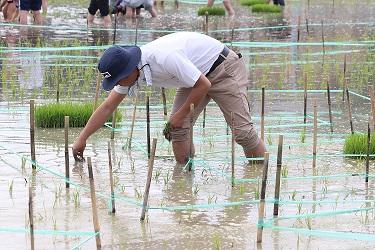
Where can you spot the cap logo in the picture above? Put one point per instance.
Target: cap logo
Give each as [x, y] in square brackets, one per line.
[106, 74]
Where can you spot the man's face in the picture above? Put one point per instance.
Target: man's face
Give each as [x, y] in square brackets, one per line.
[130, 80]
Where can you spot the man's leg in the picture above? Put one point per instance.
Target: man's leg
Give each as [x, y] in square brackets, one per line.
[37, 17]
[92, 9]
[228, 90]
[23, 16]
[180, 136]
[228, 7]
[210, 3]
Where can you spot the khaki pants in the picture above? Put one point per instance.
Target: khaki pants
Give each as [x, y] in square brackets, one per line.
[228, 90]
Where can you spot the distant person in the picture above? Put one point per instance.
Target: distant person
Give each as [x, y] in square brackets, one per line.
[131, 8]
[103, 7]
[227, 5]
[278, 2]
[30, 5]
[44, 6]
[10, 9]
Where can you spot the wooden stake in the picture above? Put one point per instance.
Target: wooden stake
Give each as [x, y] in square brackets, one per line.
[132, 125]
[233, 145]
[324, 48]
[278, 175]
[315, 135]
[32, 133]
[368, 151]
[307, 26]
[344, 84]
[31, 217]
[148, 125]
[93, 204]
[58, 92]
[136, 31]
[262, 116]
[164, 103]
[191, 153]
[98, 80]
[305, 102]
[66, 133]
[111, 178]
[206, 23]
[349, 111]
[113, 124]
[329, 106]
[204, 117]
[149, 176]
[298, 29]
[372, 98]
[114, 32]
[262, 199]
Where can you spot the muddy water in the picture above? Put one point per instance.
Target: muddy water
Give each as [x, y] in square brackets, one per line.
[211, 225]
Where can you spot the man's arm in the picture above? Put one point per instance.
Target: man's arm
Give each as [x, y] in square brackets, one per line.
[96, 121]
[197, 94]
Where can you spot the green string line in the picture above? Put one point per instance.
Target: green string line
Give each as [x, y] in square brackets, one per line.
[48, 232]
[324, 233]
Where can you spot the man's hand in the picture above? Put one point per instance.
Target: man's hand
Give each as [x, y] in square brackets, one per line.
[78, 148]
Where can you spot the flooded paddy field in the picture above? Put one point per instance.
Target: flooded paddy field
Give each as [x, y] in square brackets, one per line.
[326, 206]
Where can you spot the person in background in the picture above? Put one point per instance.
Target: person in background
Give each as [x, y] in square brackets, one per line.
[227, 5]
[30, 5]
[278, 2]
[133, 7]
[200, 67]
[103, 7]
[10, 9]
[44, 6]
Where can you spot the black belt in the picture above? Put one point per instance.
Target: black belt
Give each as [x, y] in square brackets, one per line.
[223, 55]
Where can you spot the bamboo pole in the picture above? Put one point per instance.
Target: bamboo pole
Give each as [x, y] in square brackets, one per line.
[233, 146]
[278, 175]
[315, 133]
[93, 205]
[164, 103]
[31, 218]
[111, 178]
[329, 106]
[204, 117]
[149, 176]
[133, 121]
[262, 199]
[32, 133]
[307, 26]
[191, 151]
[206, 23]
[368, 151]
[349, 111]
[148, 125]
[113, 124]
[372, 98]
[262, 116]
[66, 133]
[96, 91]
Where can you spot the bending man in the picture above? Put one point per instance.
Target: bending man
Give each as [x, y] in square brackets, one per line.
[200, 67]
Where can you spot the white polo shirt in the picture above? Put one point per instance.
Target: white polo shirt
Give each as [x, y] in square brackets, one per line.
[178, 59]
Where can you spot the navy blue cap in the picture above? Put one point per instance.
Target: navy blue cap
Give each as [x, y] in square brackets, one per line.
[116, 63]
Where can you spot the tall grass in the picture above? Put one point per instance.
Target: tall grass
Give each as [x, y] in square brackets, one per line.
[357, 144]
[252, 2]
[52, 115]
[212, 11]
[266, 8]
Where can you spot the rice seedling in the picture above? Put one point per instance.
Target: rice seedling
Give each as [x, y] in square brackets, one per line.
[157, 175]
[357, 144]
[284, 171]
[196, 190]
[212, 11]
[308, 223]
[266, 8]
[138, 193]
[10, 188]
[242, 189]
[211, 198]
[76, 198]
[252, 2]
[303, 136]
[299, 208]
[294, 195]
[52, 115]
[167, 178]
[216, 240]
